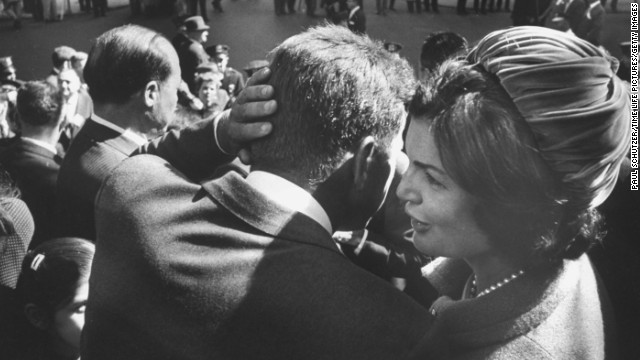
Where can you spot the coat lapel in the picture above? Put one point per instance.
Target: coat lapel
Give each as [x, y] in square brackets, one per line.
[109, 137]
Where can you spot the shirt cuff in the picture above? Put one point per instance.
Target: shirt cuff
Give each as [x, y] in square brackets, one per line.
[361, 244]
[215, 130]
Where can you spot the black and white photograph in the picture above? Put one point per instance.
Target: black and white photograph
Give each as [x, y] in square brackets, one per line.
[319, 180]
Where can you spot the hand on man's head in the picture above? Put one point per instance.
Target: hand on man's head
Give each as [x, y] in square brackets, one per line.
[245, 122]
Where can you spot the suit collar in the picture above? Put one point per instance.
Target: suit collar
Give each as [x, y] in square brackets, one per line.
[40, 144]
[100, 133]
[288, 194]
[138, 139]
[256, 209]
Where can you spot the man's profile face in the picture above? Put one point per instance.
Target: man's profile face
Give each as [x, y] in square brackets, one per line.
[164, 109]
[222, 60]
[203, 36]
[9, 75]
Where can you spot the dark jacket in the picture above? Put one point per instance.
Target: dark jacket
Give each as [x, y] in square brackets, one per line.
[97, 150]
[191, 54]
[218, 271]
[35, 170]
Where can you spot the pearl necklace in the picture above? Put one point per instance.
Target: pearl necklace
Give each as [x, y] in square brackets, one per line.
[496, 286]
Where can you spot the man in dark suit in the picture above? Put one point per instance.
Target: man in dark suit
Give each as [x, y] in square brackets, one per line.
[188, 43]
[32, 159]
[236, 268]
[133, 76]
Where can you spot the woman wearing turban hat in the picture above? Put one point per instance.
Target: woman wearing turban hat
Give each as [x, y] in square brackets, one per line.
[511, 152]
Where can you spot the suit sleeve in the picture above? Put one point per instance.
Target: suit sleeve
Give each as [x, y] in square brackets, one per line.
[192, 150]
[386, 258]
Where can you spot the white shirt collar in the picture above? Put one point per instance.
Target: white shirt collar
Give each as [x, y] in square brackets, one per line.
[353, 11]
[42, 144]
[289, 195]
[140, 140]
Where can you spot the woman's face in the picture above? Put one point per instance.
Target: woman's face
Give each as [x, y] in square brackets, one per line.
[208, 92]
[68, 320]
[441, 211]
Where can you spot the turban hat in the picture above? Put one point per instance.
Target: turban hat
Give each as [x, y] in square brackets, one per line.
[567, 91]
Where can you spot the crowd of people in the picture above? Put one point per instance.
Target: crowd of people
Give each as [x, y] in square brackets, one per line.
[154, 204]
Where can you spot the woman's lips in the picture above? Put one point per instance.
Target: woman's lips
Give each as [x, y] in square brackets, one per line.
[419, 226]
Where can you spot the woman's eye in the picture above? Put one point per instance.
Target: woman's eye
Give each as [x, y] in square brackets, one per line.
[81, 309]
[433, 181]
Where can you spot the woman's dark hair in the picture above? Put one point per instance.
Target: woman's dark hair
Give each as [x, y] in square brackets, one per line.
[489, 150]
[50, 272]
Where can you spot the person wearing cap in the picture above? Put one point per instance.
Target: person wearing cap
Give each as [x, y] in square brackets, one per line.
[133, 74]
[503, 188]
[61, 59]
[188, 43]
[233, 82]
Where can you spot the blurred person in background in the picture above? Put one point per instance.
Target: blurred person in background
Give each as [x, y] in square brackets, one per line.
[78, 61]
[33, 160]
[61, 59]
[233, 82]
[188, 43]
[77, 106]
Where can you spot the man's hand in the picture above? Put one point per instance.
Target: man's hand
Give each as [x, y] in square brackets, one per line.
[245, 122]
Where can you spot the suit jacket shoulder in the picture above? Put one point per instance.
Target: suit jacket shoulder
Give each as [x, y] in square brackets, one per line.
[94, 153]
[35, 171]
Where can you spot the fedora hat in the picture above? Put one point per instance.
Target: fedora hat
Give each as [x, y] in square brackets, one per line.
[195, 23]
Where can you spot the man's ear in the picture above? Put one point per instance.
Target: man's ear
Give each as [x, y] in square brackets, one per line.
[363, 160]
[151, 93]
[373, 169]
[36, 316]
